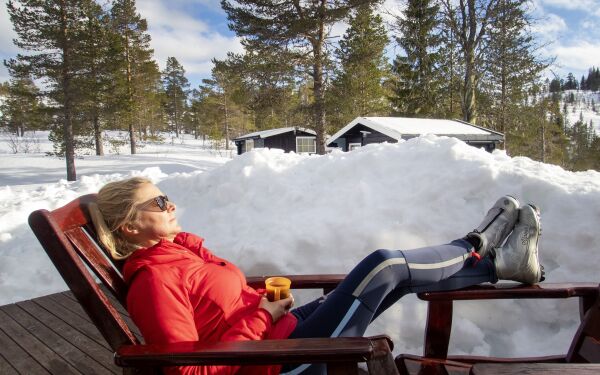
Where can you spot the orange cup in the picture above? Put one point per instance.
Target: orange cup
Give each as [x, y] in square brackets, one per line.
[277, 288]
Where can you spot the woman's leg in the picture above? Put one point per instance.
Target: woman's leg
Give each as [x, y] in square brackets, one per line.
[381, 279]
[387, 275]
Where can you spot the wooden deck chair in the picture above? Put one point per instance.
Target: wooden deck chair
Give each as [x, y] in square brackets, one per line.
[585, 346]
[68, 237]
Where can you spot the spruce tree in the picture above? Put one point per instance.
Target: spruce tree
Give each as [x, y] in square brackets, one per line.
[512, 65]
[416, 91]
[300, 26]
[51, 32]
[134, 57]
[571, 83]
[358, 88]
[176, 90]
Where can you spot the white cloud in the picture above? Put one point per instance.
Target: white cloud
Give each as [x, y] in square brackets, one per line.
[7, 34]
[577, 56]
[161, 15]
[193, 51]
[585, 5]
[176, 31]
[550, 26]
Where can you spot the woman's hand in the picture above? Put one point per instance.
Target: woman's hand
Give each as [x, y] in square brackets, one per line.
[277, 309]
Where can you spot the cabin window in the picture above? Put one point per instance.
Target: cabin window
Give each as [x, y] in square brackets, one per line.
[249, 144]
[352, 146]
[306, 145]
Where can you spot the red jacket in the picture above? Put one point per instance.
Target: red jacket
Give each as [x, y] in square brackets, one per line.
[180, 291]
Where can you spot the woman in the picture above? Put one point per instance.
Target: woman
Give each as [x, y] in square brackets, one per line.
[180, 291]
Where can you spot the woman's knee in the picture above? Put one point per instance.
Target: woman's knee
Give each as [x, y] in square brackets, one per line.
[382, 255]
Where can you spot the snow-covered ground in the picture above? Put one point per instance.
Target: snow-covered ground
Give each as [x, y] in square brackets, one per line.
[276, 213]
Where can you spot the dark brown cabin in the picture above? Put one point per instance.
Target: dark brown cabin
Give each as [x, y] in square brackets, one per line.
[366, 130]
[298, 140]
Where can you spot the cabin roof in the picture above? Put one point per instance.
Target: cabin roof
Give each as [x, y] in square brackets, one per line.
[397, 127]
[272, 132]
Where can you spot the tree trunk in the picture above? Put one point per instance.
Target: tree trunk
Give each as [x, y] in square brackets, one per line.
[129, 96]
[469, 103]
[318, 92]
[98, 134]
[226, 121]
[67, 105]
[543, 130]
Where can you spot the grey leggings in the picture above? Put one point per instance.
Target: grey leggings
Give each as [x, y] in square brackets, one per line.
[380, 280]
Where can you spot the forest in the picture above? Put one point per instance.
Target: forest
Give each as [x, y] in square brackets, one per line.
[86, 68]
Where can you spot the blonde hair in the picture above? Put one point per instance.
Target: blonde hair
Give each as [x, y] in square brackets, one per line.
[114, 207]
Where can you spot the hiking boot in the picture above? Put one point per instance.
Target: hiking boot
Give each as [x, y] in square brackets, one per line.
[518, 259]
[495, 227]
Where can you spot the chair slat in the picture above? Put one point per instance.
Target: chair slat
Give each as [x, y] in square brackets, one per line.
[94, 258]
[80, 281]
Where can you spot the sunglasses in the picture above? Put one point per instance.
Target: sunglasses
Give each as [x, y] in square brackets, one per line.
[162, 202]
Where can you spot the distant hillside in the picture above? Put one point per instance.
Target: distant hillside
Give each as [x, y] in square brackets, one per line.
[581, 104]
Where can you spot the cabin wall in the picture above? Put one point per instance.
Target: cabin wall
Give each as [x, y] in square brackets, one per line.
[354, 135]
[285, 141]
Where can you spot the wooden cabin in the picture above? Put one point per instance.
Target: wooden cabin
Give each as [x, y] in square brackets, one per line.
[366, 130]
[299, 140]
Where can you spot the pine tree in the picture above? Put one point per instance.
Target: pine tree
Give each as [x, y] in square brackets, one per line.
[417, 86]
[176, 89]
[512, 65]
[135, 55]
[221, 96]
[449, 70]
[358, 89]
[21, 109]
[98, 53]
[268, 80]
[150, 109]
[51, 31]
[301, 26]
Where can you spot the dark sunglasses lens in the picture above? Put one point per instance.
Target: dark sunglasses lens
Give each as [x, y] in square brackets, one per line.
[161, 201]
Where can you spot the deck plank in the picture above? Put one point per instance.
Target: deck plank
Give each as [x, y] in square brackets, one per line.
[20, 360]
[82, 325]
[53, 335]
[68, 352]
[99, 355]
[34, 347]
[6, 368]
[71, 304]
[68, 300]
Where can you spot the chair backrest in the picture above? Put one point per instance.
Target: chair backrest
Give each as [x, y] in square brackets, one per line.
[585, 346]
[68, 237]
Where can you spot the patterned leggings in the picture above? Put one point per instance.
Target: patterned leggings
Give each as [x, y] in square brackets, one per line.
[380, 280]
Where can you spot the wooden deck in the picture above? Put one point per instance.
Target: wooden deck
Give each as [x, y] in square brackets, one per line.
[53, 335]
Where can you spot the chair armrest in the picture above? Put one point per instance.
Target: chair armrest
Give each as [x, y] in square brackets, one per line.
[263, 352]
[325, 282]
[515, 291]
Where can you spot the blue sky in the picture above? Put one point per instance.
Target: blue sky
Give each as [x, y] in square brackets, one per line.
[195, 31]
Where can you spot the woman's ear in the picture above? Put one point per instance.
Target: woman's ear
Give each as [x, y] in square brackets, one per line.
[129, 229]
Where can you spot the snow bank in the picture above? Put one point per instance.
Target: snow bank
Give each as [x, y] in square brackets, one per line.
[275, 213]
